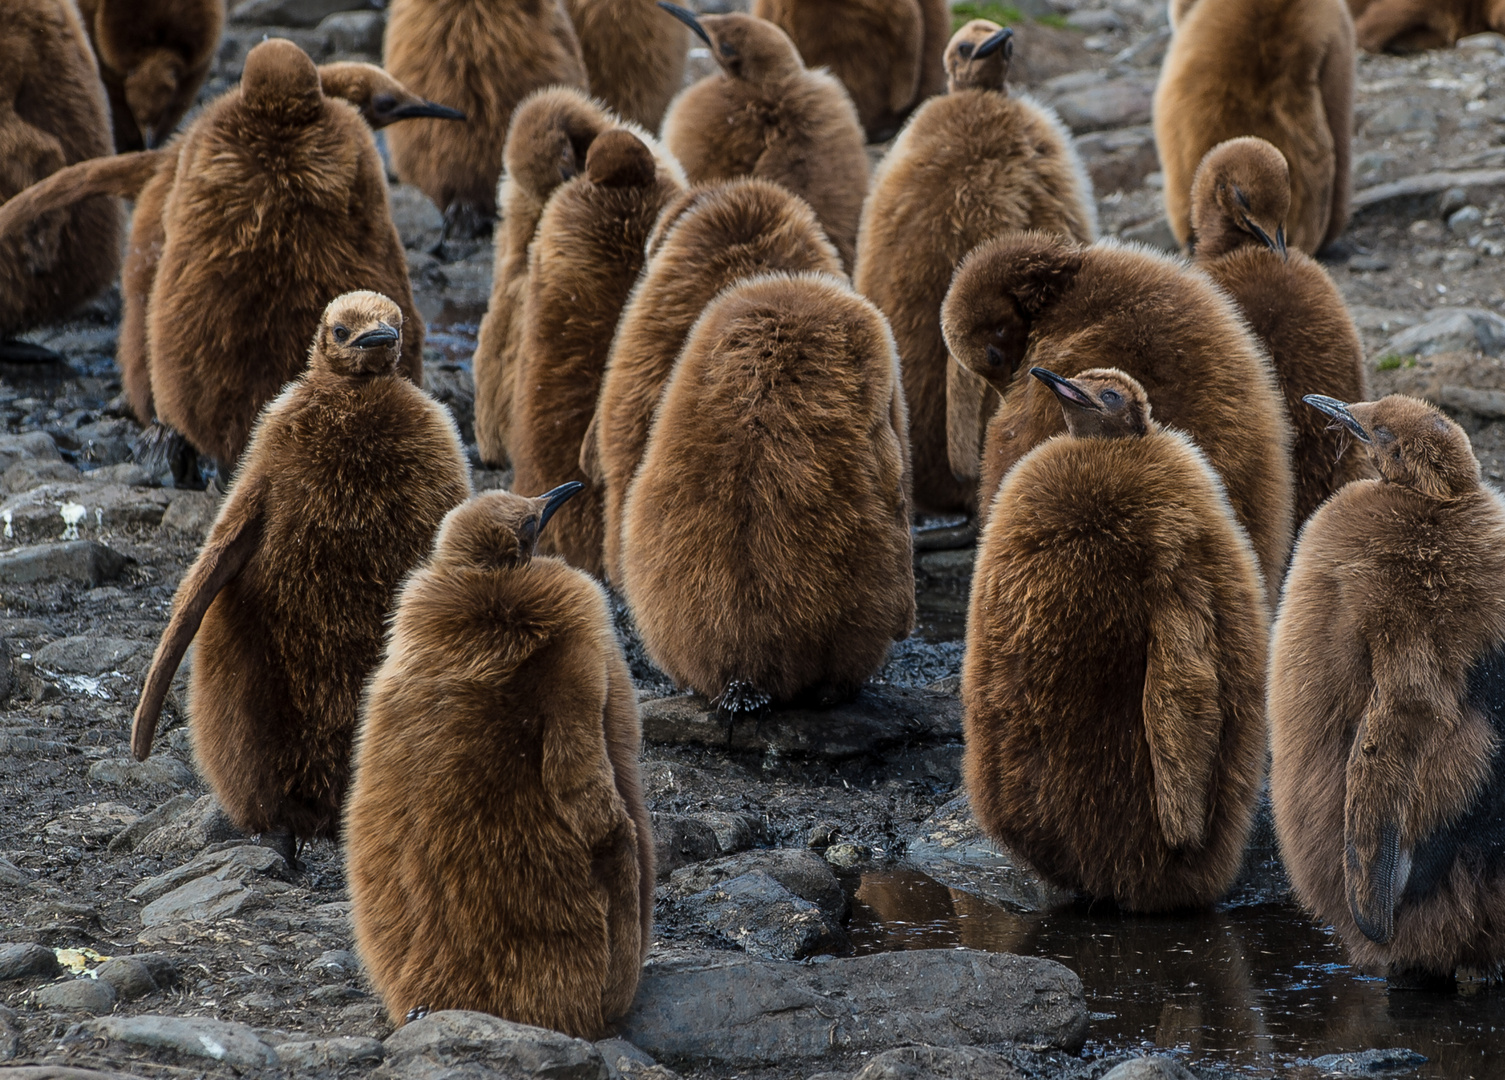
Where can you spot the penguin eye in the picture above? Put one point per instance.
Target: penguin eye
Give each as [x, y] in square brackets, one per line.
[341, 334]
[726, 49]
[383, 103]
[964, 50]
[1112, 398]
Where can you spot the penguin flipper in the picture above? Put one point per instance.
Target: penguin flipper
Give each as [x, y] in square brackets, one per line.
[967, 408]
[123, 175]
[230, 546]
[590, 450]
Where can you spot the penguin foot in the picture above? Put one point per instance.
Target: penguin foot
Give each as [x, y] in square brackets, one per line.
[284, 843]
[13, 351]
[1337, 252]
[739, 700]
[417, 1012]
[464, 221]
[160, 447]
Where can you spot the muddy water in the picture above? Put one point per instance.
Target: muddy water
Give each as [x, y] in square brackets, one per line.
[1257, 989]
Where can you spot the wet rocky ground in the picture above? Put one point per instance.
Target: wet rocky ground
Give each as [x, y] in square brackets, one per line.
[826, 907]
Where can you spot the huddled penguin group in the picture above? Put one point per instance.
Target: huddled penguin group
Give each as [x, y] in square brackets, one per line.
[725, 374]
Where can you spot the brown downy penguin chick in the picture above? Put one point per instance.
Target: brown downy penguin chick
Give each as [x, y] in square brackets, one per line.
[496, 794]
[582, 265]
[719, 235]
[381, 99]
[1239, 203]
[1036, 299]
[766, 550]
[1387, 700]
[634, 57]
[1405, 26]
[482, 57]
[971, 165]
[153, 57]
[344, 484]
[52, 114]
[550, 135]
[1295, 91]
[767, 115]
[1113, 687]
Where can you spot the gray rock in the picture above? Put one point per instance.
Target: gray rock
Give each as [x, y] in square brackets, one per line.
[10, 1035]
[125, 472]
[239, 863]
[88, 655]
[765, 919]
[202, 900]
[1452, 330]
[938, 1063]
[127, 839]
[1113, 104]
[1458, 221]
[1118, 160]
[624, 1059]
[733, 832]
[951, 847]
[453, 1037]
[203, 824]
[1389, 1062]
[1095, 22]
[27, 960]
[1155, 233]
[191, 513]
[92, 825]
[1399, 117]
[848, 856]
[106, 442]
[743, 1012]
[130, 977]
[192, 1036]
[1150, 1068]
[418, 220]
[303, 13]
[678, 841]
[336, 964]
[32, 446]
[78, 995]
[32, 472]
[341, 1052]
[37, 515]
[801, 871]
[1366, 264]
[160, 771]
[355, 31]
[87, 562]
[11, 874]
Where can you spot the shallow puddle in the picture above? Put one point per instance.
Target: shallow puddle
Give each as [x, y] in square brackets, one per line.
[1255, 989]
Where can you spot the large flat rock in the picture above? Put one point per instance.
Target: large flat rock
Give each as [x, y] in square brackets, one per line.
[430, 1046]
[191, 1036]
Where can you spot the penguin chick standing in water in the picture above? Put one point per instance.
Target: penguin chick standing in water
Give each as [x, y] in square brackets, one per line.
[347, 477]
[971, 165]
[1113, 687]
[766, 552]
[1239, 203]
[496, 795]
[582, 265]
[767, 115]
[1387, 700]
[634, 59]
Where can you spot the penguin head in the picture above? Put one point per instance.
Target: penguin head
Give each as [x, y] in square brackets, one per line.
[381, 99]
[1241, 195]
[498, 530]
[745, 46]
[618, 158]
[1100, 403]
[1412, 443]
[550, 134]
[978, 57]
[360, 335]
[281, 83]
[151, 89]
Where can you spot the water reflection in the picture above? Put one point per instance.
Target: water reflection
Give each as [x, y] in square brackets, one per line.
[1256, 988]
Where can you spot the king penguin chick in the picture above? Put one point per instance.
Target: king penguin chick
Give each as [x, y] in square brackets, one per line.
[1113, 687]
[1405, 26]
[1036, 299]
[482, 57]
[1240, 199]
[496, 794]
[153, 57]
[971, 165]
[709, 239]
[767, 115]
[379, 97]
[877, 48]
[581, 267]
[347, 478]
[52, 114]
[1295, 91]
[1387, 701]
[766, 551]
[634, 58]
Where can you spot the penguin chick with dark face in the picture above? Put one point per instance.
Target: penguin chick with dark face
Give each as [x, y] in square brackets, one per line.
[634, 57]
[583, 263]
[153, 57]
[1387, 700]
[1239, 203]
[767, 115]
[482, 57]
[381, 99]
[52, 114]
[345, 481]
[721, 234]
[496, 792]
[1407, 26]
[1294, 90]
[1113, 687]
[1031, 299]
[550, 135]
[970, 165]
[766, 550]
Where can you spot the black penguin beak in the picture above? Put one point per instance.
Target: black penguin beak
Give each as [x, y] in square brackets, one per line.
[992, 44]
[687, 17]
[151, 138]
[375, 339]
[1065, 389]
[425, 108]
[1339, 412]
[557, 497]
[1280, 242]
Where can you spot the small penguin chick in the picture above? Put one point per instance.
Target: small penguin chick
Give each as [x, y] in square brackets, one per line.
[381, 99]
[978, 57]
[1240, 195]
[743, 46]
[1410, 442]
[1102, 403]
[506, 534]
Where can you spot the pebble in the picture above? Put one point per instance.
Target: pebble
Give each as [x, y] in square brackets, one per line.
[27, 960]
[1361, 264]
[679, 840]
[192, 513]
[204, 823]
[236, 863]
[159, 771]
[87, 562]
[192, 1036]
[78, 995]
[136, 831]
[1460, 220]
[801, 871]
[336, 964]
[204, 899]
[1092, 22]
[757, 913]
[430, 1046]
[848, 856]
[130, 977]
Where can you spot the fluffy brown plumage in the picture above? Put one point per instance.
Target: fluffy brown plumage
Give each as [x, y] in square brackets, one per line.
[709, 239]
[634, 57]
[153, 57]
[582, 265]
[1239, 203]
[482, 57]
[969, 166]
[767, 115]
[495, 659]
[1113, 686]
[1386, 704]
[1037, 299]
[1295, 91]
[346, 480]
[766, 548]
[1413, 25]
[52, 114]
